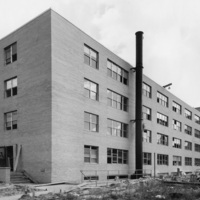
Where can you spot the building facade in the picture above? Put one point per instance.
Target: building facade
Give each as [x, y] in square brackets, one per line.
[68, 108]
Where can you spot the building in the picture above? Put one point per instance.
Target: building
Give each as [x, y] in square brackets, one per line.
[68, 108]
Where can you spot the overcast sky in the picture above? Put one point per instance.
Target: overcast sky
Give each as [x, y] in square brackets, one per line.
[171, 33]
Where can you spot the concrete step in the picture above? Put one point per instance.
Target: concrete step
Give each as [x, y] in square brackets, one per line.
[18, 177]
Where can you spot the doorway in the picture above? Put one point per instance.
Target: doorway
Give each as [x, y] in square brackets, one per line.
[6, 157]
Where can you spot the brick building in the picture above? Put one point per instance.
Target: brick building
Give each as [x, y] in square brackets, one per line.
[68, 104]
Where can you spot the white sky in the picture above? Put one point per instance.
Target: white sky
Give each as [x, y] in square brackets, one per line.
[171, 33]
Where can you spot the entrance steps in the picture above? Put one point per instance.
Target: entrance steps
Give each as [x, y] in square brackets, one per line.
[18, 178]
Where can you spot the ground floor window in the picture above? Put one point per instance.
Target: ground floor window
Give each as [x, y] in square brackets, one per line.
[90, 154]
[162, 159]
[177, 160]
[197, 161]
[147, 158]
[117, 156]
[188, 161]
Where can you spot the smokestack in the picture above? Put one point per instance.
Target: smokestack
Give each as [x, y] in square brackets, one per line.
[138, 104]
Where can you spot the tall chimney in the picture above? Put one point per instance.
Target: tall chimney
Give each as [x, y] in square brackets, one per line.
[138, 104]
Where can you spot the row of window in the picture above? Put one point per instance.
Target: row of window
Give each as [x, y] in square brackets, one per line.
[115, 100]
[114, 128]
[91, 58]
[163, 139]
[114, 156]
[163, 100]
[163, 120]
[163, 159]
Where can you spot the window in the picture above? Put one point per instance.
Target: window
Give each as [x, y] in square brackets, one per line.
[162, 159]
[176, 143]
[162, 99]
[90, 57]
[177, 160]
[197, 133]
[117, 128]
[197, 161]
[117, 101]
[90, 154]
[147, 158]
[188, 161]
[117, 156]
[197, 119]
[146, 113]
[10, 53]
[188, 130]
[162, 119]
[90, 89]
[11, 87]
[188, 114]
[147, 136]
[91, 122]
[176, 125]
[176, 107]
[162, 139]
[197, 147]
[11, 120]
[146, 90]
[117, 72]
[188, 145]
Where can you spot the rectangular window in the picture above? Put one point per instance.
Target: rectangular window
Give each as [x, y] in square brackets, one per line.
[162, 159]
[90, 57]
[146, 158]
[162, 99]
[117, 156]
[197, 147]
[117, 101]
[146, 90]
[188, 114]
[176, 160]
[162, 139]
[10, 53]
[188, 129]
[188, 161]
[197, 119]
[90, 154]
[176, 107]
[91, 122]
[176, 143]
[115, 128]
[90, 89]
[10, 120]
[146, 113]
[197, 133]
[176, 125]
[10, 87]
[117, 72]
[147, 136]
[197, 161]
[188, 145]
[162, 119]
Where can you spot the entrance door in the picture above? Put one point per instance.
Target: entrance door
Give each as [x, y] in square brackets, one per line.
[6, 157]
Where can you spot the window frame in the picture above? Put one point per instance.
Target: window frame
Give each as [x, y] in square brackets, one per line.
[146, 90]
[117, 73]
[117, 156]
[9, 50]
[121, 131]
[188, 129]
[176, 107]
[188, 114]
[114, 102]
[146, 115]
[197, 147]
[161, 140]
[91, 154]
[176, 143]
[162, 121]
[13, 89]
[176, 125]
[90, 90]
[197, 119]
[162, 159]
[188, 145]
[147, 136]
[13, 123]
[188, 161]
[162, 99]
[90, 122]
[197, 133]
[147, 158]
[90, 57]
[176, 161]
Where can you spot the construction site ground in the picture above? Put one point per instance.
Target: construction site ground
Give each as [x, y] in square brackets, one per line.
[174, 187]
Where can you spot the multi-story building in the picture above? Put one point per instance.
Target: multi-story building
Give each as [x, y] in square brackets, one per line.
[68, 107]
